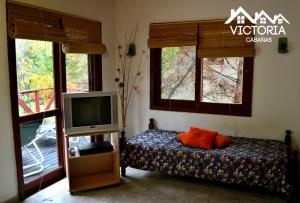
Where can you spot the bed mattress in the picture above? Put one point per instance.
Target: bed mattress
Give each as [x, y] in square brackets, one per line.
[246, 161]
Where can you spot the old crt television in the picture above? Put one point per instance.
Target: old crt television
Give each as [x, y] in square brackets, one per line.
[90, 112]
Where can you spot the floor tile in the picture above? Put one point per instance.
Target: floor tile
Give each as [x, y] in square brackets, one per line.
[151, 187]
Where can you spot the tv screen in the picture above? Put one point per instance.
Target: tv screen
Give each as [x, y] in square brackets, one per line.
[90, 111]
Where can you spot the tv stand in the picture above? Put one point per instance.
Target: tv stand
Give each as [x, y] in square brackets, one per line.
[93, 170]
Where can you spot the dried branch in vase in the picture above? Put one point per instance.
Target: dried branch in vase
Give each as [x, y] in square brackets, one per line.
[127, 74]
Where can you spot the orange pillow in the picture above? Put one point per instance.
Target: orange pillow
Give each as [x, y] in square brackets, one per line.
[198, 137]
[222, 140]
[183, 137]
[203, 132]
[203, 141]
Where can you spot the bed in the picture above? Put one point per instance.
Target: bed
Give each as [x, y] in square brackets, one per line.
[246, 161]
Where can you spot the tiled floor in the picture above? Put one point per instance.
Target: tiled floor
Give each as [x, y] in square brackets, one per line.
[144, 187]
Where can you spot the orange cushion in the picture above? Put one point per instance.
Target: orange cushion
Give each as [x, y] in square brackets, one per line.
[222, 140]
[183, 137]
[203, 141]
[198, 137]
[203, 132]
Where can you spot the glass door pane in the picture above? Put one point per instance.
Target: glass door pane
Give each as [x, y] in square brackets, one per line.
[39, 147]
[77, 72]
[34, 60]
[77, 79]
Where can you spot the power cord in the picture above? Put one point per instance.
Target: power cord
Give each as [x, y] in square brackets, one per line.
[233, 120]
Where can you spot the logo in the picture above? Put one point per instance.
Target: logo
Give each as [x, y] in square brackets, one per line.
[263, 26]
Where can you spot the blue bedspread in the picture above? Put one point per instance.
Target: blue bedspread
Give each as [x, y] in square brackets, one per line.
[246, 161]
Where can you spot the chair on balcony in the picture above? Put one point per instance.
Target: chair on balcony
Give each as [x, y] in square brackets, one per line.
[29, 136]
[48, 129]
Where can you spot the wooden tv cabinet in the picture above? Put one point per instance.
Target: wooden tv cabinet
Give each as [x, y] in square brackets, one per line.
[94, 170]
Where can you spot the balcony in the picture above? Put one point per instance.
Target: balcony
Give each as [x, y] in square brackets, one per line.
[38, 137]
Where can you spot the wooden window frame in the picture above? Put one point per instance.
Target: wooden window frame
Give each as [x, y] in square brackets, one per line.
[197, 106]
[94, 68]
[95, 77]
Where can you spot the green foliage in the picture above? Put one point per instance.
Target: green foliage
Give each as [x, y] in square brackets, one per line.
[168, 58]
[77, 71]
[34, 64]
[35, 71]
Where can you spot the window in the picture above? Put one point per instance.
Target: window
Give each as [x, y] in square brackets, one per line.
[241, 19]
[178, 72]
[35, 78]
[222, 80]
[214, 76]
[263, 20]
[77, 80]
[77, 73]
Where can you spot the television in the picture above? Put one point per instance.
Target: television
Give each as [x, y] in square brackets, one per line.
[90, 112]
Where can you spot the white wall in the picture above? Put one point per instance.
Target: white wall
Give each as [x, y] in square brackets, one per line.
[8, 178]
[101, 10]
[276, 95]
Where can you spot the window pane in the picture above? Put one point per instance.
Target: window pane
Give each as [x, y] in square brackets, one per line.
[77, 72]
[222, 80]
[39, 147]
[178, 66]
[34, 62]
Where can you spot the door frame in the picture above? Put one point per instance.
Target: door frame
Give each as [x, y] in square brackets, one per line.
[27, 189]
[59, 68]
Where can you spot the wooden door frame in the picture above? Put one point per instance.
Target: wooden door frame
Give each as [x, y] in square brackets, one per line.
[59, 67]
[27, 189]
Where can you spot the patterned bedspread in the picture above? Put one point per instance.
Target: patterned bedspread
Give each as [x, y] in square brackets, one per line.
[246, 161]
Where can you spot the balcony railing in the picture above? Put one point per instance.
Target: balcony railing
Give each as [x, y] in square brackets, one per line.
[39, 100]
[27, 97]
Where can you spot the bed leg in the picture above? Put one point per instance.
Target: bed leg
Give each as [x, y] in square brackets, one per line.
[123, 171]
[292, 166]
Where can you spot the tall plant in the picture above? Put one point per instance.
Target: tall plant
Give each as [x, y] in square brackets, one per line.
[127, 73]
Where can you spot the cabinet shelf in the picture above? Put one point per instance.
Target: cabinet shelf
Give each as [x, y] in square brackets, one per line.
[93, 170]
[93, 181]
[100, 154]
